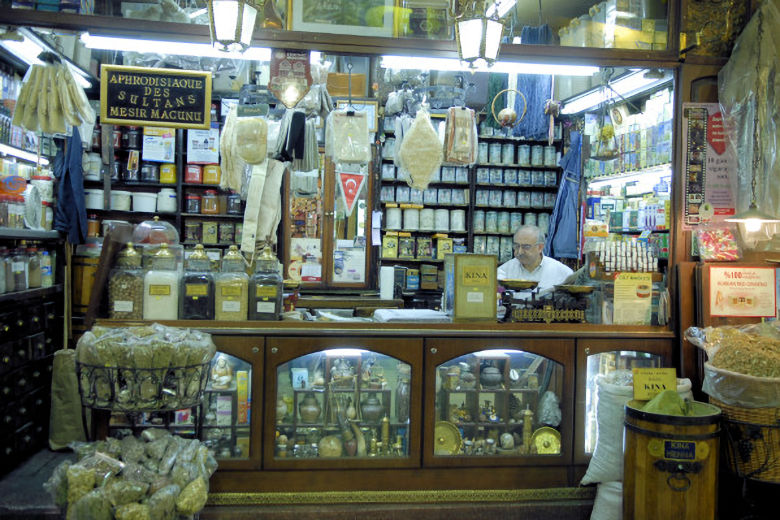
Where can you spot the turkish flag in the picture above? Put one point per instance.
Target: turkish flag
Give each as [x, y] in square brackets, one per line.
[351, 185]
[716, 133]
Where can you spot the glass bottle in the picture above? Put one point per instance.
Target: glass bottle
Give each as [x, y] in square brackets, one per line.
[47, 274]
[197, 287]
[209, 204]
[161, 287]
[266, 301]
[126, 286]
[232, 288]
[33, 268]
[3, 254]
[19, 269]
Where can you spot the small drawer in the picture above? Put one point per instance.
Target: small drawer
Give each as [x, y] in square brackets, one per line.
[21, 352]
[6, 326]
[35, 319]
[23, 382]
[51, 312]
[38, 347]
[7, 359]
[8, 419]
[20, 324]
[25, 440]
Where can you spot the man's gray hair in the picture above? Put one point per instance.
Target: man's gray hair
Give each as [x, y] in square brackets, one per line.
[540, 236]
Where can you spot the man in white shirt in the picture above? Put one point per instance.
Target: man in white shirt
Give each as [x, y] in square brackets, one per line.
[530, 264]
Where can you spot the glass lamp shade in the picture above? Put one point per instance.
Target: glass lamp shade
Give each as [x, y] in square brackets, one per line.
[753, 219]
[231, 23]
[479, 40]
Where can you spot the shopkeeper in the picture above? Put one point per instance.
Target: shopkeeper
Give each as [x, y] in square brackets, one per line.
[530, 264]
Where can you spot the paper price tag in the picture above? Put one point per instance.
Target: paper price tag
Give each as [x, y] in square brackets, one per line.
[648, 382]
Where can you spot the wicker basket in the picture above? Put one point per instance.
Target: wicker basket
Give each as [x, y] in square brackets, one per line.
[751, 441]
[141, 389]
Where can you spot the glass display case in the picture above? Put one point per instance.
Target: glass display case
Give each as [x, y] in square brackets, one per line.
[346, 402]
[507, 401]
[602, 357]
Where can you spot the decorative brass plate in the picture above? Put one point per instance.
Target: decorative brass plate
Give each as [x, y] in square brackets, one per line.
[547, 441]
[446, 438]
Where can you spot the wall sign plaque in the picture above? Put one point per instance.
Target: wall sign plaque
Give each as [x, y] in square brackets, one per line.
[144, 96]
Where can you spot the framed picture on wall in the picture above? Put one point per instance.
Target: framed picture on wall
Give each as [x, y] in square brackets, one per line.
[370, 106]
[357, 17]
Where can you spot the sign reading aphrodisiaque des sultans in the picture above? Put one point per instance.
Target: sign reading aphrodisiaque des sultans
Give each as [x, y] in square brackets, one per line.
[142, 96]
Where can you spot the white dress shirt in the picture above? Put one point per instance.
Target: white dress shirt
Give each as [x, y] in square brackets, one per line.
[549, 273]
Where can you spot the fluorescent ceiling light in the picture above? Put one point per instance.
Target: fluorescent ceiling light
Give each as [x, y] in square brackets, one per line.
[171, 47]
[22, 154]
[509, 67]
[28, 50]
[628, 85]
[197, 13]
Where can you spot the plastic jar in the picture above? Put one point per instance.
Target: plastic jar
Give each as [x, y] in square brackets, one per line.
[211, 174]
[233, 204]
[93, 198]
[161, 287]
[116, 137]
[192, 203]
[132, 138]
[209, 203]
[120, 200]
[193, 174]
[166, 200]
[146, 202]
[168, 173]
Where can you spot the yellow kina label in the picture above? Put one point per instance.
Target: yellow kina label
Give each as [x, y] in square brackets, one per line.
[476, 275]
[159, 290]
[649, 382]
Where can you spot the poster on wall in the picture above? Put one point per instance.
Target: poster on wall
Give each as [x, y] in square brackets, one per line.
[745, 292]
[709, 166]
[203, 146]
[305, 260]
[290, 78]
[159, 144]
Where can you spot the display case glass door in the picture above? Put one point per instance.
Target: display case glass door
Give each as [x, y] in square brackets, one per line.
[350, 402]
[614, 359]
[507, 403]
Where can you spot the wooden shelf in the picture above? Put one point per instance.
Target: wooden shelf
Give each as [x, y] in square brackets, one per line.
[129, 184]
[429, 204]
[199, 185]
[520, 166]
[133, 213]
[216, 215]
[31, 293]
[514, 186]
[514, 139]
[412, 260]
[28, 234]
[430, 184]
[426, 231]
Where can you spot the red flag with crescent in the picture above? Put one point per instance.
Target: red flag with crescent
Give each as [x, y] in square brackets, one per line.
[351, 186]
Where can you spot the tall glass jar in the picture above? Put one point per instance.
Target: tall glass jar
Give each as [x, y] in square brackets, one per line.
[33, 268]
[232, 288]
[19, 269]
[126, 286]
[266, 300]
[197, 287]
[161, 287]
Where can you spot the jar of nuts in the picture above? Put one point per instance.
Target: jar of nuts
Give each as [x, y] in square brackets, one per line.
[126, 286]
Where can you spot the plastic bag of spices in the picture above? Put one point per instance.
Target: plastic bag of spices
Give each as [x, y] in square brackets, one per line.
[421, 151]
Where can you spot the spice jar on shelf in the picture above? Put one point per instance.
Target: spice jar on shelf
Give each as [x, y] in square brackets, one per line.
[197, 287]
[131, 139]
[209, 203]
[33, 268]
[233, 204]
[161, 286]
[192, 203]
[266, 300]
[19, 270]
[126, 286]
[232, 288]
[211, 174]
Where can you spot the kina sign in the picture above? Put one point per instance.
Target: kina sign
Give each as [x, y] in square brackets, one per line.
[716, 133]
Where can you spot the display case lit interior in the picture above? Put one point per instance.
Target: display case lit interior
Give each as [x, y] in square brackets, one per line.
[222, 421]
[604, 364]
[348, 402]
[498, 402]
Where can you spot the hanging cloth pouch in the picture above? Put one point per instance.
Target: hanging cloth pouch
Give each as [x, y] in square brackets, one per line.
[263, 204]
[460, 136]
[349, 137]
[421, 151]
[252, 139]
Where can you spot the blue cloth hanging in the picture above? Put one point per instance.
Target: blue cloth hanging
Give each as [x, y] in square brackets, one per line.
[70, 214]
[562, 237]
[536, 88]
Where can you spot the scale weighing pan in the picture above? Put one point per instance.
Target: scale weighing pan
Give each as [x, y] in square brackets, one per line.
[518, 285]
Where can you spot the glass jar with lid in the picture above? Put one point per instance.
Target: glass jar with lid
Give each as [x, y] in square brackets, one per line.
[155, 231]
[33, 268]
[232, 288]
[233, 204]
[126, 286]
[197, 287]
[266, 300]
[209, 203]
[19, 270]
[132, 138]
[161, 286]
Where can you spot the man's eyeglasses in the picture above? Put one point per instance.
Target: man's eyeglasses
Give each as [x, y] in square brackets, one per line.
[524, 247]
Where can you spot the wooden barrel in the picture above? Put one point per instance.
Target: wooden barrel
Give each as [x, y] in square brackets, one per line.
[671, 464]
[84, 269]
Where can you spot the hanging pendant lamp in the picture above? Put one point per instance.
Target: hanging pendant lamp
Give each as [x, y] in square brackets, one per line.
[231, 23]
[478, 30]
